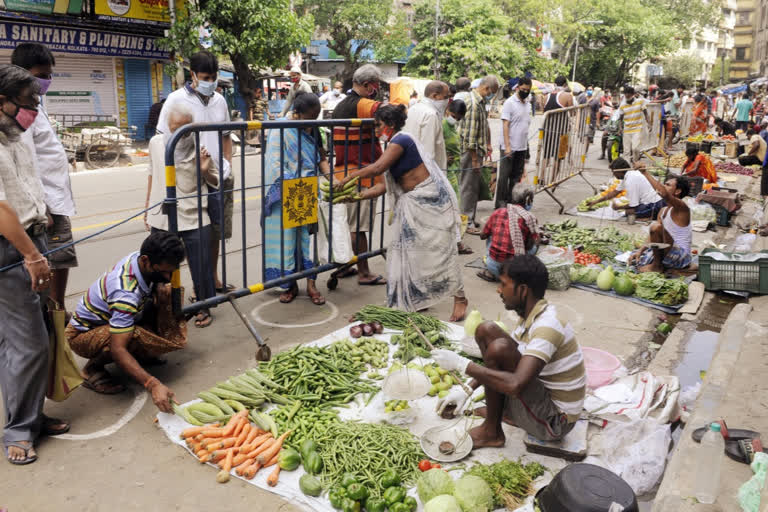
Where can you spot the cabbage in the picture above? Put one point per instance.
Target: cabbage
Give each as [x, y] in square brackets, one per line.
[473, 494]
[443, 503]
[434, 483]
[605, 279]
[470, 324]
[623, 285]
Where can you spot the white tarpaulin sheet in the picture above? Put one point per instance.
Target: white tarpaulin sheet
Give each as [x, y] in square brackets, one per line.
[288, 484]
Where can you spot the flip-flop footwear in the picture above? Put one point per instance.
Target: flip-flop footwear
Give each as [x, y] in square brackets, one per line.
[486, 276]
[226, 289]
[292, 293]
[26, 460]
[317, 300]
[463, 249]
[49, 424]
[103, 383]
[376, 281]
[203, 320]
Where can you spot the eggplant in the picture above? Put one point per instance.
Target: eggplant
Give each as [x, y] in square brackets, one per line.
[356, 331]
[367, 330]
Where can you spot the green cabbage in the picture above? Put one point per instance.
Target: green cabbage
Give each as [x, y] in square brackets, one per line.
[473, 494]
[434, 483]
[470, 324]
[623, 285]
[442, 503]
[605, 279]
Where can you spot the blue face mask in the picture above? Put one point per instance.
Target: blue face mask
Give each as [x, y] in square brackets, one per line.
[489, 98]
[206, 88]
[529, 206]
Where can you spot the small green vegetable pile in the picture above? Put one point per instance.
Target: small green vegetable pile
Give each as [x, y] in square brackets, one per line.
[349, 193]
[366, 451]
[412, 345]
[510, 481]
[605, 242]
[656, 288]
[365, 350]
[395, 319]
[583, 207]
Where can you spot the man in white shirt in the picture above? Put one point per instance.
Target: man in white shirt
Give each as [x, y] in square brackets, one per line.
[298, 85]
[515, 120]
[425, 121]
[644, 201]
[208, 106]
[194, 226]
[330, 99]
[52, 167]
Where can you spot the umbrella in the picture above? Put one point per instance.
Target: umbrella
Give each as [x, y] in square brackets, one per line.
[576, 87]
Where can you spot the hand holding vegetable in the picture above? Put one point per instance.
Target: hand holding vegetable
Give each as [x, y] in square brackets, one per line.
[161, 396]
[456, 396]
[450, 360]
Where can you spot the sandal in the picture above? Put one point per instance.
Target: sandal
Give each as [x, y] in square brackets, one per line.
[49, 424]
[378, 280]
[463, 249]
[474, 231]
[226, 289]
[317, 300]
[102, 382]
[288, 296]
[487, 276]
[27, 458]
[203, 319]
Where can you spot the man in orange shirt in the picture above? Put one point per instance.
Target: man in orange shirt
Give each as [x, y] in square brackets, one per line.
[354, 148]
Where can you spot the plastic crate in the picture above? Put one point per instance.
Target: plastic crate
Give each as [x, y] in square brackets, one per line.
[735, 273]
[723, 215]
[696, 183]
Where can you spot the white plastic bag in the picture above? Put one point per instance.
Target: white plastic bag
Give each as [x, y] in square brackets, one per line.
[558, 262]
[635, 451]
[701, 211]
[341, 242]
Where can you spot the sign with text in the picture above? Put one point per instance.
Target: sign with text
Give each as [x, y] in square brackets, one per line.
[148, 12]
[78, 40]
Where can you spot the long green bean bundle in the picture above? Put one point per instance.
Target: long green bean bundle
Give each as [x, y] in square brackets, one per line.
[396, 319]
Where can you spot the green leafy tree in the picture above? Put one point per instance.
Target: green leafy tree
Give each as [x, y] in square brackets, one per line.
[720, 73]
[686, 69]
[255, 34]
[356, 26]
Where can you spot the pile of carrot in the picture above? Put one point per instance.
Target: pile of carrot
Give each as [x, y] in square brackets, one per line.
[239, 444]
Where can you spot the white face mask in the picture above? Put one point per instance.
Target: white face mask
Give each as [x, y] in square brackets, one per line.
[440, 105]
[337, 92]
[451, 120]
[205, 88]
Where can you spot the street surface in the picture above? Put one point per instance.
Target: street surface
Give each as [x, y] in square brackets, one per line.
[117, 459]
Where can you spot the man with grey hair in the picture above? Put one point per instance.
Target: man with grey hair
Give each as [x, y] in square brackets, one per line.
[24, 341]
[298, 85]
[360, 103]
[425, 121]
[512, 230]
[474, 140]
[194, 225]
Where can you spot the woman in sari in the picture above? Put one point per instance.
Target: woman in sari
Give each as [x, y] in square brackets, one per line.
[699, 164]
[301, 157]
[422, 258]
[699, 121]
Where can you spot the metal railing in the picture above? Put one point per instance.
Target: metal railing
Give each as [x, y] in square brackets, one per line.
[297, 191]
[562, 151]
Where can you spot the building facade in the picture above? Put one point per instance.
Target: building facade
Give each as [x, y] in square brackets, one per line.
[743, 58]
[761, 38]
[107, 59]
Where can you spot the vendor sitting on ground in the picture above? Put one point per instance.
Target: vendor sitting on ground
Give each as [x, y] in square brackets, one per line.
[699, 164]
[644, 202]
[534, 379]
[672, 229]
[505, 240]
[755, 152]
[724, 127]
[118, 321]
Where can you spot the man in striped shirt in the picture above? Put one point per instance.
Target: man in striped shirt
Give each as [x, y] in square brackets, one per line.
[122, 318]
[534, 379]
[635, 122]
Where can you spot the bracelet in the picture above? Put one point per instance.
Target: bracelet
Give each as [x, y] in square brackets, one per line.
[27, 262]
[149, 380]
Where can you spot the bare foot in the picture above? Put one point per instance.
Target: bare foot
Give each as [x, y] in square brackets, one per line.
[487, 437]
[482, 411]
[459, 310]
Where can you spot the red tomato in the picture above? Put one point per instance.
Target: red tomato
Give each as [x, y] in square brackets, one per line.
[425, 465]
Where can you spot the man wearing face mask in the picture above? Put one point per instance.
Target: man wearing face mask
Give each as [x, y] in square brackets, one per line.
[297, 84]
[23, 336]
[534, 378]
[515, 121]
[193, 223]
[475, 138]
[330, 99]
[425, 121]
[125, 317]
[360, 103]
[208, 106]
[52, 167]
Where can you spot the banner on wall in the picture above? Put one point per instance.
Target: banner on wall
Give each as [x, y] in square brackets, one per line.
[147, 12]
[44, 6]
[77, 40]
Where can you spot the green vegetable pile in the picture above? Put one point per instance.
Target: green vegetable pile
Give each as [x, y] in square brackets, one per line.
[366, 451]
[395, 319]
[412, 345]
[582, 207]
[366, 350]
[583, 274]
[656, 288]
[510, 481]
[604, 242]
[305, 423]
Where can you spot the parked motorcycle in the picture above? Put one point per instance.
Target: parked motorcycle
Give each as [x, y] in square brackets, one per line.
[613, 131]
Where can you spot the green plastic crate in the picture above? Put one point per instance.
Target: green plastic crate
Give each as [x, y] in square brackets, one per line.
[734, 273]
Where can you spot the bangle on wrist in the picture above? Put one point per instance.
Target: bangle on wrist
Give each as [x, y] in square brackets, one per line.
[149, 382]
[39, 260]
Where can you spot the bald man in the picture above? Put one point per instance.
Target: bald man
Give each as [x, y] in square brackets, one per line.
[425, 121]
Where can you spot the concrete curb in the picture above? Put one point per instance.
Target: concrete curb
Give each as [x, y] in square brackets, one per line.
[677, 485]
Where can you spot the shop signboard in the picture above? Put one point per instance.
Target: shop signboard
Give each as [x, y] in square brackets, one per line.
[146, 12]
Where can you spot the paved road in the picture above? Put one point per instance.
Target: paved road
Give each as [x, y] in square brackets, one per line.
[134, 467]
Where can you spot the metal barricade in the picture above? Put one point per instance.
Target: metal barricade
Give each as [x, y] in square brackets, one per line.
[563, 143]
[654, 136]
[686, 116]
[288, 180]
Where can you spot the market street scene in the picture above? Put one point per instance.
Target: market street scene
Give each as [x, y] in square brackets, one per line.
[298, 255]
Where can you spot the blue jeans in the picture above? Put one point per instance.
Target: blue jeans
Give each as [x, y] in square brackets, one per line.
[493, 266]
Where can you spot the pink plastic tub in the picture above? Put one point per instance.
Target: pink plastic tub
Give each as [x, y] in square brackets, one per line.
[600, 366]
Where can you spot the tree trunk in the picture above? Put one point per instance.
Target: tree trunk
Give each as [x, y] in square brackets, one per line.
[246, 79]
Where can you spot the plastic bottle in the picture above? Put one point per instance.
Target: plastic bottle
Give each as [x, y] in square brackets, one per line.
[710, 461]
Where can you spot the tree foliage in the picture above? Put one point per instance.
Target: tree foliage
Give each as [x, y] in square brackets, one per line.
[475, 37]
[255, 34]
[719, 74]
[686, 69]
[355, 27]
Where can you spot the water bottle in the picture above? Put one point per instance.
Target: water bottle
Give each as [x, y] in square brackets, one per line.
[710, 461]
